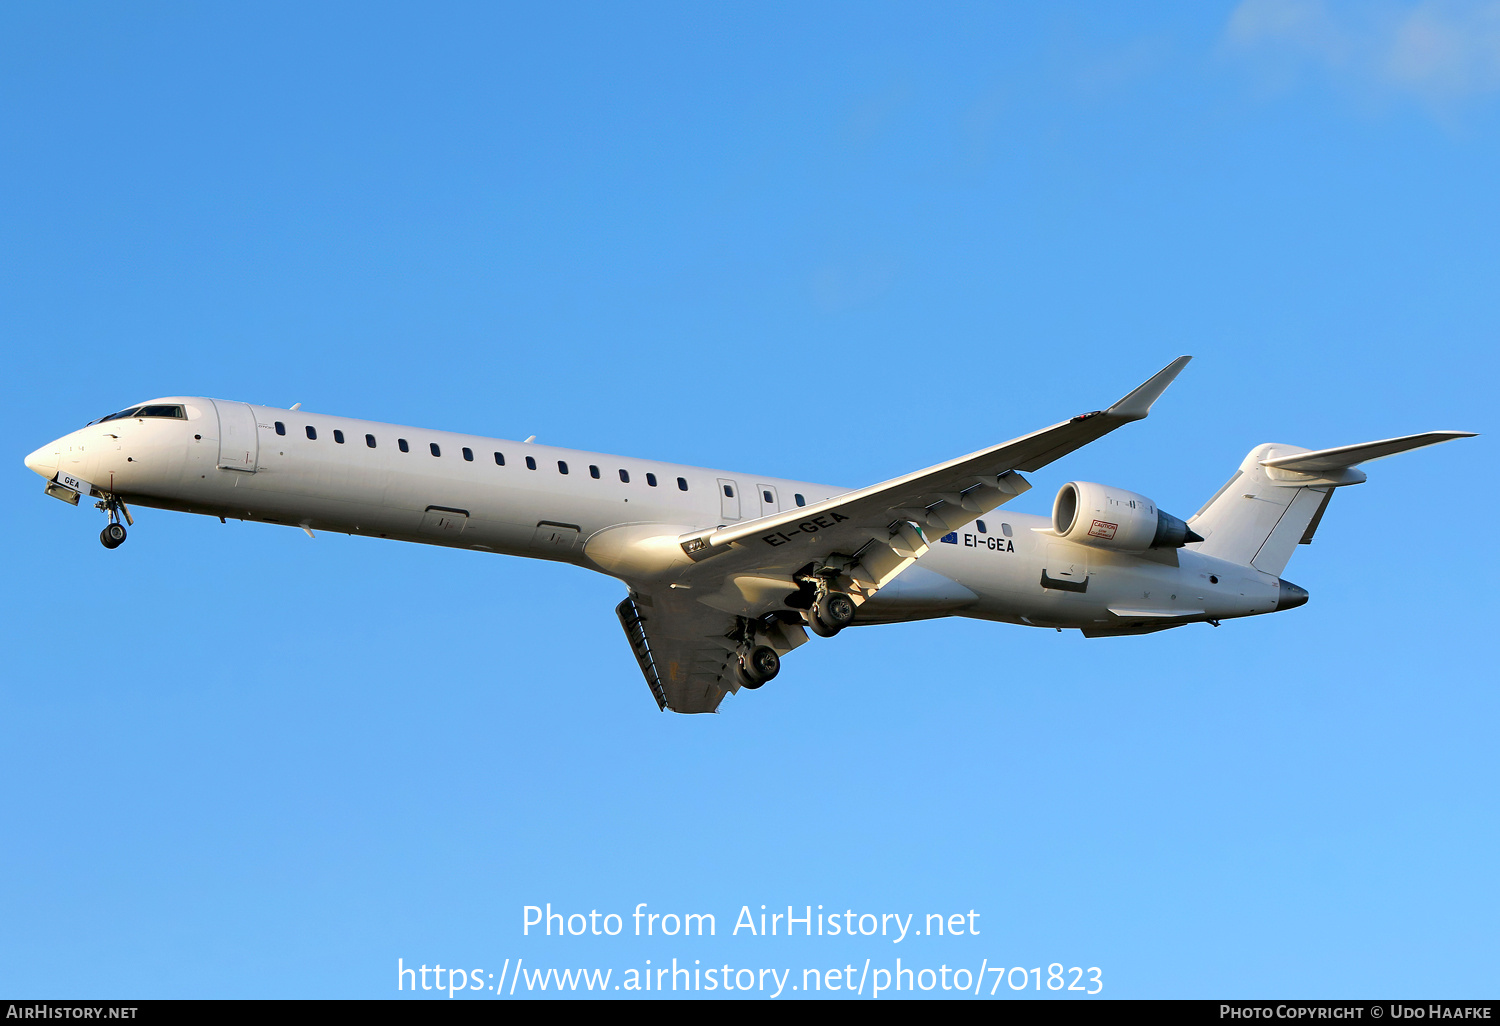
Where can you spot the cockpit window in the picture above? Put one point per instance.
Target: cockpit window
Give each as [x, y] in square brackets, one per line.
[118, 416]
[174, 412]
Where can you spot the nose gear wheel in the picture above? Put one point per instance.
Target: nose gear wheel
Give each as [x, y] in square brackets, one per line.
[113, 535]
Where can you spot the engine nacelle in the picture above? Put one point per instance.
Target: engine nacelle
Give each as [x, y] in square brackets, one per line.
[1112, 518]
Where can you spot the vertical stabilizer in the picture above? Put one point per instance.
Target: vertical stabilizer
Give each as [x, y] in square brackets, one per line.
[1277, 498]
[1255, 521]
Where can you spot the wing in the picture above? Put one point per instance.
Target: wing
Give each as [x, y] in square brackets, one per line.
[692, 621]
[868, 536]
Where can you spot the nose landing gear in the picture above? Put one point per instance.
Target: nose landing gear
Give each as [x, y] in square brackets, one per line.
[113, 535]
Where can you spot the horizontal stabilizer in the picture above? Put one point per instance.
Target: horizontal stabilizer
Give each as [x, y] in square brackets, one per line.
[1324, 460]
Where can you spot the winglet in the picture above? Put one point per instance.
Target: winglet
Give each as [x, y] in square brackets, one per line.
[1137, 404]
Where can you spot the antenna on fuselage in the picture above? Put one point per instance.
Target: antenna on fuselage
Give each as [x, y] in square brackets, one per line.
[529, 439]
[295, 406]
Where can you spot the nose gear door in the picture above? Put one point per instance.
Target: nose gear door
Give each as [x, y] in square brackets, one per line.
[239, 445]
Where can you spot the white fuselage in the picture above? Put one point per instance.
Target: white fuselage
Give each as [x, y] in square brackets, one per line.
[234, 460]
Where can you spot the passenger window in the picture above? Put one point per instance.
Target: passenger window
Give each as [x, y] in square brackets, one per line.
[530, 463]
[562, 466]
[401, 444]
[767, 496]
[1005, 530]
[338, 436]
[280, 428]
[651, 480]
[593, 472]
[800, 500]
[370, 441]
[625, 476]
[729, 491]
[468, 454]
[312, 432]
[499, 459]
[682, 484]
[982, 528]
[434, 447]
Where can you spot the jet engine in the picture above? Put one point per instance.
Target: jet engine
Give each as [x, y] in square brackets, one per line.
[1112, 518]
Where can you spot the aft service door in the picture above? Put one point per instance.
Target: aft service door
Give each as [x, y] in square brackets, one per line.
[238, 444]
[1067, 567]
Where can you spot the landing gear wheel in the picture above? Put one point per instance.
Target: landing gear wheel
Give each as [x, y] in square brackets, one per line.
[762, 665]
[764, 662]
[818, 627]
[112, 536]
[832, 613]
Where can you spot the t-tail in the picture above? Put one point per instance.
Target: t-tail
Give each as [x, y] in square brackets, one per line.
[1277, 498]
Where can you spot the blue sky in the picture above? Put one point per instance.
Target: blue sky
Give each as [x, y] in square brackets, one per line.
[835, 243]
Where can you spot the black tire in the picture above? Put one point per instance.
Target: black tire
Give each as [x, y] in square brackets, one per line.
[764, 663]
[746, 681]
[836, 610]
[818, 627]
[113, 536]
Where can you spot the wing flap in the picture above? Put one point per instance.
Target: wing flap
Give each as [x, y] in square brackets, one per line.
[686, 669]
[635, 632]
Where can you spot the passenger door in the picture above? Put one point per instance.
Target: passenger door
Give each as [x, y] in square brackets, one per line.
[239, 444]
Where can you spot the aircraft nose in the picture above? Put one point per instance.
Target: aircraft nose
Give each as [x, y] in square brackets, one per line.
[44, 461]
[1290, 596]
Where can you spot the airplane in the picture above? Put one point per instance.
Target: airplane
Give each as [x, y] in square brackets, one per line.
[725, 571]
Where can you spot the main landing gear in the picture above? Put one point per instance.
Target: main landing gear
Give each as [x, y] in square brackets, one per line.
[831, 613]
[113, 535]
[757, 666]
[760, 643]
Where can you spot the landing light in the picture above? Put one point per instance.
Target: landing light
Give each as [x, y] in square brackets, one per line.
[62, 492]
[67, 488]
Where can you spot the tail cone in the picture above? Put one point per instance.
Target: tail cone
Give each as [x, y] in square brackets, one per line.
[1290, 596]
